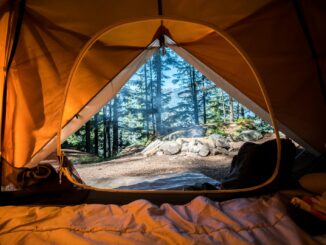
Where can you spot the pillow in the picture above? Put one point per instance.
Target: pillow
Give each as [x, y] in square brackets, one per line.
[315, 182]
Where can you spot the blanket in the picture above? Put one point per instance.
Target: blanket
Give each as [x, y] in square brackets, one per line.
[262, 220]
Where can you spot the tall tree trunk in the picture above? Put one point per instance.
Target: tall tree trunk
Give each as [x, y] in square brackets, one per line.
[120, 141]
[158, 97]
[194, 94]
[204, 101]
[238, 110]
[109, 130]
[242, 112]
[223, 106]
[96, 134]
[194, 91]
[231, 109]
[88, 137]
[152, 96]
[104, 131]
[115, 127]
[146, 115]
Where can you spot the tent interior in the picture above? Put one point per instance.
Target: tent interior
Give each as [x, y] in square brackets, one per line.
[62, 61]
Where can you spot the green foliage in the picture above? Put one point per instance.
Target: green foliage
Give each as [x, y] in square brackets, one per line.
[217, 130]
[74, 140]
[258, 124]
[263, 126]
[245, 123]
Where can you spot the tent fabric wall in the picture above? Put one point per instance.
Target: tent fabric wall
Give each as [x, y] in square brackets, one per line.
[286, 66]
[4, 24]
[54, 32]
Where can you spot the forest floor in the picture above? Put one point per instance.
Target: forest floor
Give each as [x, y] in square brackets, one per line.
[137, 171]
[131, 170]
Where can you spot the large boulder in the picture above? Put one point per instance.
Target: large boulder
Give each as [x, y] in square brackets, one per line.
[219, 150]
[220, 141]
[152, 148]
[207, 141]
[170, 147]
[249, 135]
[185, 147]
[194, 146]
[203, 151]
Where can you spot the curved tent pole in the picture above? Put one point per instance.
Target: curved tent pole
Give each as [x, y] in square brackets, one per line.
[246, 58]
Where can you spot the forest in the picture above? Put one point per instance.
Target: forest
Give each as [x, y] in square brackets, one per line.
[165, 95]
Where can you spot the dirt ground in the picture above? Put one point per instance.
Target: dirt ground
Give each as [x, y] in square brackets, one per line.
[98, 174]
[136, 168]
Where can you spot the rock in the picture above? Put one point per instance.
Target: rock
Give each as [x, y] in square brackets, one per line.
[204, 151]
[191, 144]
[180, 141]
[229, 138]
[222, 150]
[159, 153]
[219, 150]
[207, 141]
[236, 145]
[214, 151]
[185, 147]
[170, 147]
[131, 149]
[249, 135]
[220, 141]
[194, 146]
[152, 148]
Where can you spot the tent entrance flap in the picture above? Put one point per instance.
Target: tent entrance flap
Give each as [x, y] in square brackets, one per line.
[97, 102]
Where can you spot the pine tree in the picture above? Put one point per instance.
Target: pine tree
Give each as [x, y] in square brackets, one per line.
[147, 104]
[96, 134]
[231, 116]
[115, 126]
[194, 93]
[158, 93]
[109, 125]
[104, 122]
[204, 95]
[223, 106]
[88, 137]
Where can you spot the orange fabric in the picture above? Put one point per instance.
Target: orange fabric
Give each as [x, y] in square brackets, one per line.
[35, 87]
[285, 64]
[4, 18]
[54, 32]
[240, 221]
